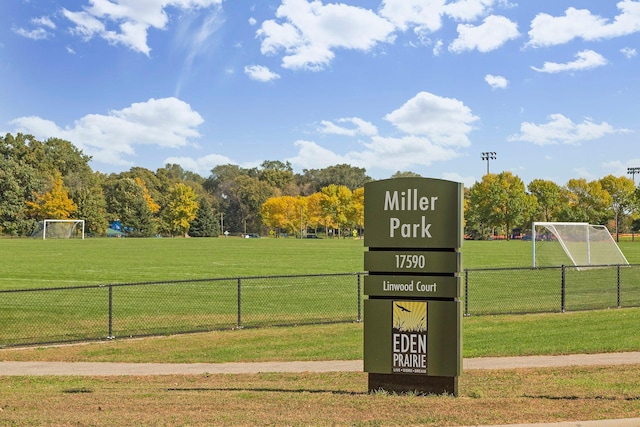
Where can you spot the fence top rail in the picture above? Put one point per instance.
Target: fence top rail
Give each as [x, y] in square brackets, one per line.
[556, 267]
[176, 282]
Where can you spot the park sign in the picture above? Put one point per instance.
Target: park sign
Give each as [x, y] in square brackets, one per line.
[412, 328]
[413, 213]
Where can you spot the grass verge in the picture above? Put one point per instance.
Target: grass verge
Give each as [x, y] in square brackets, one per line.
[486, 397]
[514, 335]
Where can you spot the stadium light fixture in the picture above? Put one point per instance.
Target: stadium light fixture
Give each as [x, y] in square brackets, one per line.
[633, 172]
[488, 155]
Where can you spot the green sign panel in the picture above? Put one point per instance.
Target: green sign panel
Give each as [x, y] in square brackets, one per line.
[412, 328]
[413, 213]
[413, 337]
[416, 262]
[412, 286]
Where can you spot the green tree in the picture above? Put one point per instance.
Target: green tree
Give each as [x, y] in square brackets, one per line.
[180, 209]
[583, 201]
[547, 193]
[405, 174]
[205, 223]
[499, 200]
[345, 175]
[92, 206]
[156, 185]
[621, 189]
[277, 174]
[18, 184]
[126, 203]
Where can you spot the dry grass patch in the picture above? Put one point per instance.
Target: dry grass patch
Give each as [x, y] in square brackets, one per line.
[486, 397]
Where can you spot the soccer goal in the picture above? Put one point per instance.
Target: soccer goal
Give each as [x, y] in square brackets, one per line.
[578, 243]
[60, 229]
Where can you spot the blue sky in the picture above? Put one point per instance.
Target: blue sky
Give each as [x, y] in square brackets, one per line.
[552, 87]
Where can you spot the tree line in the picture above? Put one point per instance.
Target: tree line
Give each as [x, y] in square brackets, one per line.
[52, 179]
[501, 203]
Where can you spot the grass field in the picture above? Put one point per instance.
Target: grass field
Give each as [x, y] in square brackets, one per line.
[78, 314]
[29, 263]
[486, 397]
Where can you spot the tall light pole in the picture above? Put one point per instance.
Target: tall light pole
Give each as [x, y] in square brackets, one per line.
[488, 155]
[633, 172]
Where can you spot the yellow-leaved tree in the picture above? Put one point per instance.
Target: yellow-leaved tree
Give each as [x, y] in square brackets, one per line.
[337, 204]
[151, 204]
[283, 213]
[181, 208]
[54, 204]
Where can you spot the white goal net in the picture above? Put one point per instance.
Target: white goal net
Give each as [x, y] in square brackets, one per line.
[577, 243]
[60, 229]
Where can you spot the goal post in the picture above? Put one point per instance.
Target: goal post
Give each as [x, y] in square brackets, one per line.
[60, 229]
[581, 243]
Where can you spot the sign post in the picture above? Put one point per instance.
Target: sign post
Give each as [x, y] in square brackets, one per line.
[412, 317]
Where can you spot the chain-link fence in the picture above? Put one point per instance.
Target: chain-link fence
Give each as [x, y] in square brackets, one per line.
[39, 316]
[550, 289]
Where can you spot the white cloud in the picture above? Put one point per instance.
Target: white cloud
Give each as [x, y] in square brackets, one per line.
[620, 168]
[445, 121]
[359, 127]
[437, 48]
[469, 10]
[402, 153]
[490, 35]
[562, 130]
[468, 181]
[547, 30]
[426, 15]
[309, 32]
[260, 73]
[628, 52]
[434, 127]
[35, 34]
[112, 138]
[40, 32]
[496, 82]
[586, 60]
[131, 19]
[201, 165]
[313, 156]
[252, 21]
[44, 21]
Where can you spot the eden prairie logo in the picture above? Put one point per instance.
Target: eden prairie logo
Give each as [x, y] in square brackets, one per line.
[409, 337]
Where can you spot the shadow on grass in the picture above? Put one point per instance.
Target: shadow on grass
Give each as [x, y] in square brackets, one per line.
[272, 390]
[611, 398]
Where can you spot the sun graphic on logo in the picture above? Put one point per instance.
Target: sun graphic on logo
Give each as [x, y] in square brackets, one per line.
[410, 316]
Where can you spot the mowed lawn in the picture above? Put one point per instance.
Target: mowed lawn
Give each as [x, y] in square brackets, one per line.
[79, 314]
[33, 263]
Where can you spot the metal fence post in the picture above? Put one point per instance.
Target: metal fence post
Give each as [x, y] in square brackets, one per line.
[110, 335]
[619, 286]
[466, 293]
[359, 301]
[239, 303]
[563, 290]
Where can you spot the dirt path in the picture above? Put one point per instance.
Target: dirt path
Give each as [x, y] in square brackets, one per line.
[108, 369]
